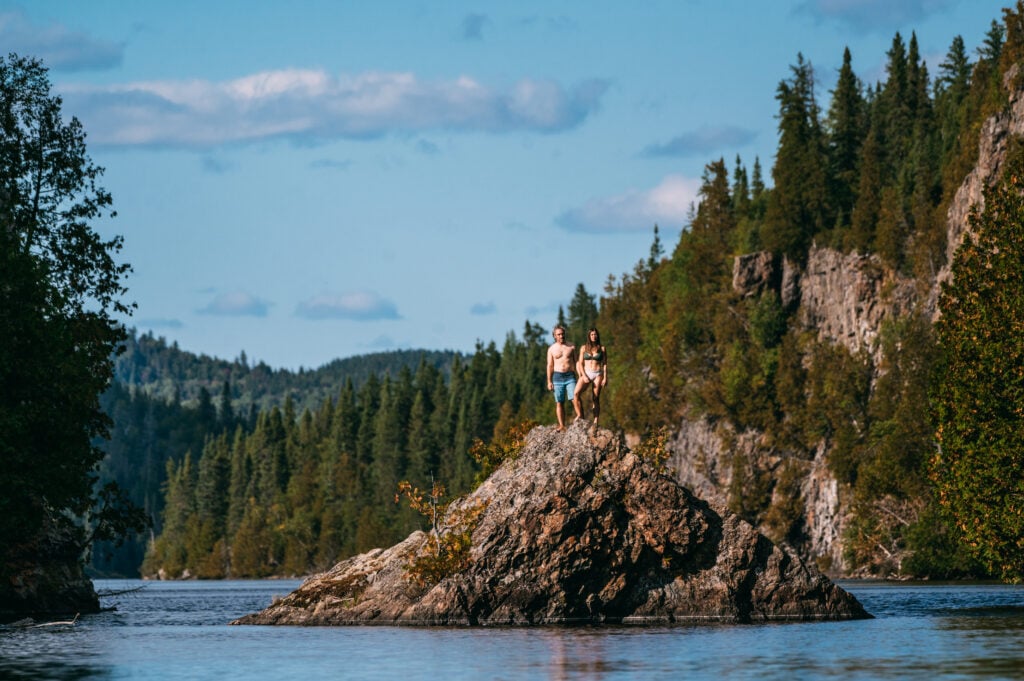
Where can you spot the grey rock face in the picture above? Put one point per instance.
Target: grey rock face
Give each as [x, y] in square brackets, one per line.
[847, 298]
[579, 529]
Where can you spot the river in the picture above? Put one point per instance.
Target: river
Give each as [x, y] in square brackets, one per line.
[178, 630]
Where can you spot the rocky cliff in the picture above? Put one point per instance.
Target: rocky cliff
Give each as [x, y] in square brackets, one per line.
[578, 529]
[842, 298]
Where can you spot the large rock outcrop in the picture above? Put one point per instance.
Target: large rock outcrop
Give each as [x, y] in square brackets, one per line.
[579, 529]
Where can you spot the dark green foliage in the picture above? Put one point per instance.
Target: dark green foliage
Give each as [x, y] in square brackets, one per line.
[980, 390]
[162, 408]
[60, 287]
[301, 491]
[164, 371]
[582, 315]
[847, 125]
[798, 206]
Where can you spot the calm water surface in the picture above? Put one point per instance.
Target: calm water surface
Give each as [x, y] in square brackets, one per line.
[177, 630]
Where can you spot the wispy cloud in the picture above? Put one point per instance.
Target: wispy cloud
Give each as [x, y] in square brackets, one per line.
[473, 26]
[236, 304]
[869, 15]
[667, 205]
[701, 142]
[308, 106]
[358, 306]
[482, 309]
[60, 48]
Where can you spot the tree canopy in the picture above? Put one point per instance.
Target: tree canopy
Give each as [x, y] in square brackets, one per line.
[60, 287]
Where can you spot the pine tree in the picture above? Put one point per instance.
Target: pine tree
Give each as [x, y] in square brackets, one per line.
[847, 129]
[952, 85]
[740, 189]
[582, 315]
[894, 118]
[239, 481]
[798, 205]
[656, 253]
[227, 412]
[992, 46]
[864, 219]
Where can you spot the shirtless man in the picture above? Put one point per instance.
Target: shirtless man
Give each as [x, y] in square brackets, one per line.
[562, 375]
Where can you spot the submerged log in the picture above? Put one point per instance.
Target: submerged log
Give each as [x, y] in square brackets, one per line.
[578, 530]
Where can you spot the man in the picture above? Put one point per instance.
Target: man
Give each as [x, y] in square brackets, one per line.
[562, 375]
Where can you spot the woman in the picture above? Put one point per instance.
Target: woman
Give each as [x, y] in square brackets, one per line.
[592, 368]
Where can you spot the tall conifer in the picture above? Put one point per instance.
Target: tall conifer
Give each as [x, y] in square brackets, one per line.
[798, 204]
[847, 128]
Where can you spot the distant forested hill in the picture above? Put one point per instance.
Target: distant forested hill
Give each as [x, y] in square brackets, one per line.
[166, 372]
[166, 403]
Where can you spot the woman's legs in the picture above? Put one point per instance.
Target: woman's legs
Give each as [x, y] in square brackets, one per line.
[576, 401]
[597, 400]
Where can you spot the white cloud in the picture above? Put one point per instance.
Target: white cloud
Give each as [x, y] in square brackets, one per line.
[359, 306]
[59, 48]
[236, 304]
[666, 205]
[312, 105]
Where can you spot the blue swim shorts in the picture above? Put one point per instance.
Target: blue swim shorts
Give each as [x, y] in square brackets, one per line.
[565, 385]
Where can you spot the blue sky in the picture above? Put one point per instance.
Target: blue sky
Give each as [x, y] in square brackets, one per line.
[319, 179]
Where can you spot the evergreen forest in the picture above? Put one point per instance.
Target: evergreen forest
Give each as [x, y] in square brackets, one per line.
[296, 485]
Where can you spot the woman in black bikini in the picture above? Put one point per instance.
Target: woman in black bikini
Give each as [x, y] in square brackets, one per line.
[592, 369]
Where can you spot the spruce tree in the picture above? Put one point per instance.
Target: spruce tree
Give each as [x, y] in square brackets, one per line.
[864, 218]
[582, 315]
[847, 128]
[952, 85]
[798, 204]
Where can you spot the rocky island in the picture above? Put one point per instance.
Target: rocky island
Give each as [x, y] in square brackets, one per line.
[578, 529]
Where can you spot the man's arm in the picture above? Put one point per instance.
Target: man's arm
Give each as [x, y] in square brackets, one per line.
[551, 367]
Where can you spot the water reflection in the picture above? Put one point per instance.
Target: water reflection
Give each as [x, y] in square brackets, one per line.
[64, 653]
[178, 630]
